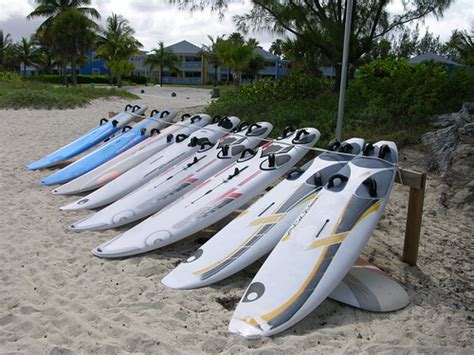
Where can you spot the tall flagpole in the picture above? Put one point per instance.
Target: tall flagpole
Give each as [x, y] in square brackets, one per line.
[345, 57]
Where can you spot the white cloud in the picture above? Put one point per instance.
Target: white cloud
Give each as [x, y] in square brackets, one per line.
[459, 16]
[17, 8]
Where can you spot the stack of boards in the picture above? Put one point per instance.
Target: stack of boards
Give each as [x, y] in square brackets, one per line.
[313, 224]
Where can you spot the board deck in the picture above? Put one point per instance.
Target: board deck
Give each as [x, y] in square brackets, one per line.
[130, 158]
[154, 165]
[89, 139]
[319, 249]
[214, 198]
[175, 182]
[256, 231]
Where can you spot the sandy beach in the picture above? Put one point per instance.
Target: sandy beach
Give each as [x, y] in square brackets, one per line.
[57, 298]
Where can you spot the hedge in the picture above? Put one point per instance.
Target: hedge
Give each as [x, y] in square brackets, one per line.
[86, 79]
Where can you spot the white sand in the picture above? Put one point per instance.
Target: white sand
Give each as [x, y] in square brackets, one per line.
[55, 297]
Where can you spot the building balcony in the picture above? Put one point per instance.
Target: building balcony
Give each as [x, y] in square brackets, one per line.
[268, 71]
[191, 65]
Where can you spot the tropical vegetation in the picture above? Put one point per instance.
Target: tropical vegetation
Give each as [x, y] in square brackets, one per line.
[70, 26]
[317, 27]
[211, 55]
[239, 56]
[162, 58]
[388, 99]
[117, 45]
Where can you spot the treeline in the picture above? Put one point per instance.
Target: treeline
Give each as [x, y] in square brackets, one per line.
[406, 44]
[69, 31]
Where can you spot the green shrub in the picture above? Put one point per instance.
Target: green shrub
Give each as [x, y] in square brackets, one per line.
[9, 76]
[294, 87]
[81, 79]
[86, 79]
[396, 91]
[137, 79]
[388, 99]
[458, 88]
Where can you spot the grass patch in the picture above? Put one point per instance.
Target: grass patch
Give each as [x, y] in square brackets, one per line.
[37, 95]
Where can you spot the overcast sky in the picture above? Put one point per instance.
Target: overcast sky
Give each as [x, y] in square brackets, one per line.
[156, 20]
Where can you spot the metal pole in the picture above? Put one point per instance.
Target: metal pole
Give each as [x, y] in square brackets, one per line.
[345, 57]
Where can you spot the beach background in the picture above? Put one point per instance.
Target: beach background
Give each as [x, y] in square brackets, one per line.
[56, 298]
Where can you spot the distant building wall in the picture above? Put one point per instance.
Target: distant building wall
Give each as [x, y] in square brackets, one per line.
[94, 66]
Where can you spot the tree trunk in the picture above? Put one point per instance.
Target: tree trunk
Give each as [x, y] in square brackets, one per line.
[73, 70]
[215, 75]
[236, 79]
[161, 76]
[24, 69]
[337, 81]
[64, 72]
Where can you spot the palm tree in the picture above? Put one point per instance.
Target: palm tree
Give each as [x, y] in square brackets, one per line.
[236, 37]
[461, 46]
[49, 53]
[277, 47]
[11, 57]
[255, 64]
[209, 52]
[237, 56]
[51, 9]
[117, 45]
[5, 42]
[77, 34]
[28, 53]
[162, 58]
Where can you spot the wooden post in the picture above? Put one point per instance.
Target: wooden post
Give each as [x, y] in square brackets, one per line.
[413, 226]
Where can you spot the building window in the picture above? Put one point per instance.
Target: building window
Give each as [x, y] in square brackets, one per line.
[95, 71]
[191, 74]
[192, 59]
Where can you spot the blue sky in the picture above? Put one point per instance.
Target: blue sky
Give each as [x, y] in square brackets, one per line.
[156, 20]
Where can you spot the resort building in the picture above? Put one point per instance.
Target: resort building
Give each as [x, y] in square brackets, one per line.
[449, 64]
[194, 69]
[191, 69]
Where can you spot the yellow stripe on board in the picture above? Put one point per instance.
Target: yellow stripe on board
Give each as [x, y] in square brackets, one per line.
[334, 229]
[309, 198]
[333, 239]
[266, 220]
[370, 210]
[270, 315]
[243, 213]
[250, 321]
[213, 265]
[313, 197]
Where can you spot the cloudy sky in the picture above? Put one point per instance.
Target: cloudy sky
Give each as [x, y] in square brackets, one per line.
[156, 20]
